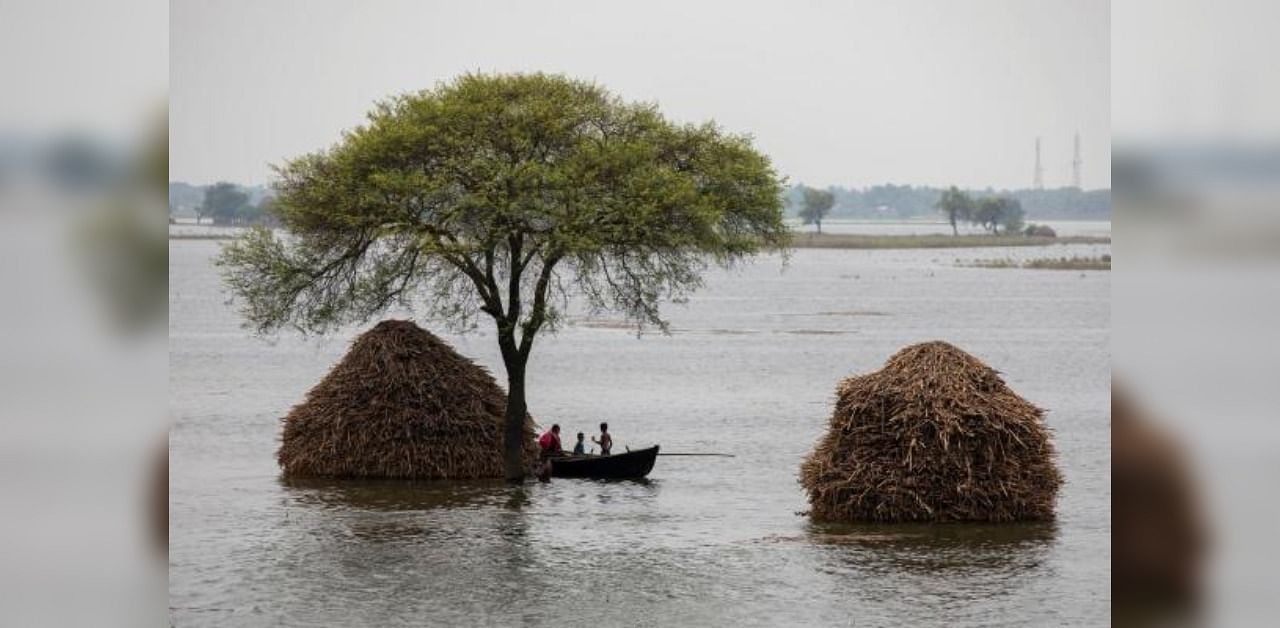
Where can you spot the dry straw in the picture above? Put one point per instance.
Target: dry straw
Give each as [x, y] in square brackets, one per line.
[935, 435]
[401, 404]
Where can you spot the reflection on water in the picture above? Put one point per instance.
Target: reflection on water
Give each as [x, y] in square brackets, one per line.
[943, 550]
[395, 495]
[953, 565]
[703, 542]
[1004, 535]
[385, 510]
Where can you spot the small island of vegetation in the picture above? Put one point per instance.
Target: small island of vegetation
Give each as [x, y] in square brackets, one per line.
[1102, 262]
[931, 241]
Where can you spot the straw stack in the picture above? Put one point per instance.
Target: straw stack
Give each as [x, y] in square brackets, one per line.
[935, 435]
[400, 404]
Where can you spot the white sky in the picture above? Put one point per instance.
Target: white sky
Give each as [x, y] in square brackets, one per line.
[849, 93]
[82, 67]
[1194, 71]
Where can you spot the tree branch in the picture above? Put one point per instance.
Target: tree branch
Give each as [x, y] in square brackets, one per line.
[539, 315]
[492, 304]
[406, 276]
[514, 243]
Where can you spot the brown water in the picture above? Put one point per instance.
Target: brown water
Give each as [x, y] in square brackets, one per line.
[750, 369]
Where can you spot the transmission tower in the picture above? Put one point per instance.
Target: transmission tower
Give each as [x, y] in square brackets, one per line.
[1039, 178]
[1075, 164]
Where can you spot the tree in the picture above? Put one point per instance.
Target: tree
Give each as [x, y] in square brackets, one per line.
[1012, 217]
[223, 201]
[993, 212]
[261, 214]
[504, 195]
[184, 196]
[817, 203]
[987, 213]
[956, 205]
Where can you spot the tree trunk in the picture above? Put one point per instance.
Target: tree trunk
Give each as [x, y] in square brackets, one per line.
[819, 222]
[513, 433]
[954, 230]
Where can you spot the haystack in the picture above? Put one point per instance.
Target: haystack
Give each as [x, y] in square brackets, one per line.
[400, 404]
[935, 435]
[1040, 231]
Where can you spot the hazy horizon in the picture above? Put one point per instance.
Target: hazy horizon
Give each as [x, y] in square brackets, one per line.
[837, 94]
[1047, 188]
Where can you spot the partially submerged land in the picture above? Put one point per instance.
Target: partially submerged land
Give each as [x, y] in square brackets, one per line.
[1078, 262]
[931, 241]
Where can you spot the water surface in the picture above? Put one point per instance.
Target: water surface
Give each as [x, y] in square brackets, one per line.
[750, 369]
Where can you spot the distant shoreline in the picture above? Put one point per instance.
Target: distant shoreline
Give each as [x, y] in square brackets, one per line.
[853, 240]
[930, 241]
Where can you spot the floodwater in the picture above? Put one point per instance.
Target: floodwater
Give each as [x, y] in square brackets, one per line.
[749, 369]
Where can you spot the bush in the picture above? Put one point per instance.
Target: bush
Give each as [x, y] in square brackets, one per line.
[1040, 231]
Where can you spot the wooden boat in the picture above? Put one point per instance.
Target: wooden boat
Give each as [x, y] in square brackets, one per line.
[626, 465]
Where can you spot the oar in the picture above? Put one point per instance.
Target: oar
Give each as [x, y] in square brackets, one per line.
[696, 454]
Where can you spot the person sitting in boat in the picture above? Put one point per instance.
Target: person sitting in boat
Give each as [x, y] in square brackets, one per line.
[606, 441]
[580, 448]
[550, 442]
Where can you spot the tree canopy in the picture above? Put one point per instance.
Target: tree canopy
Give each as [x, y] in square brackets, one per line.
[995, 212]
[957, 206]
[504, 195]
[223, 202]
[817, 203]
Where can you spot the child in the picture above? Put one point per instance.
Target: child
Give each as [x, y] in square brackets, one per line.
[581, 447]
[606, 441]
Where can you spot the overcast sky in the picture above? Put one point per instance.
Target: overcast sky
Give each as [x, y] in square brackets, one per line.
[849, 93]
[97, 69]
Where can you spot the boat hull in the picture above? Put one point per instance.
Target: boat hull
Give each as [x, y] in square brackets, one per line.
[627, 465]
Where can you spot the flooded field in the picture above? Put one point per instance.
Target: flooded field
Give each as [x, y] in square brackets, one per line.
[749, 369]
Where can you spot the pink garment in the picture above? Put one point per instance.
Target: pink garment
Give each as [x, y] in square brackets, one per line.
[550, 441]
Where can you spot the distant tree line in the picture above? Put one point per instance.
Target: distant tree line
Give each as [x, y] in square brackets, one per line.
[811, 205]
[992, 213]
[222, 203]
[907, 201]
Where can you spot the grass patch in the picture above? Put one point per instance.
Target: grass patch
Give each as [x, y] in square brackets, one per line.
[1052, 263]
[929, 241]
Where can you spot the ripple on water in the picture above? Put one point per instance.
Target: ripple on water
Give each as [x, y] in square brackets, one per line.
[707, 541]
